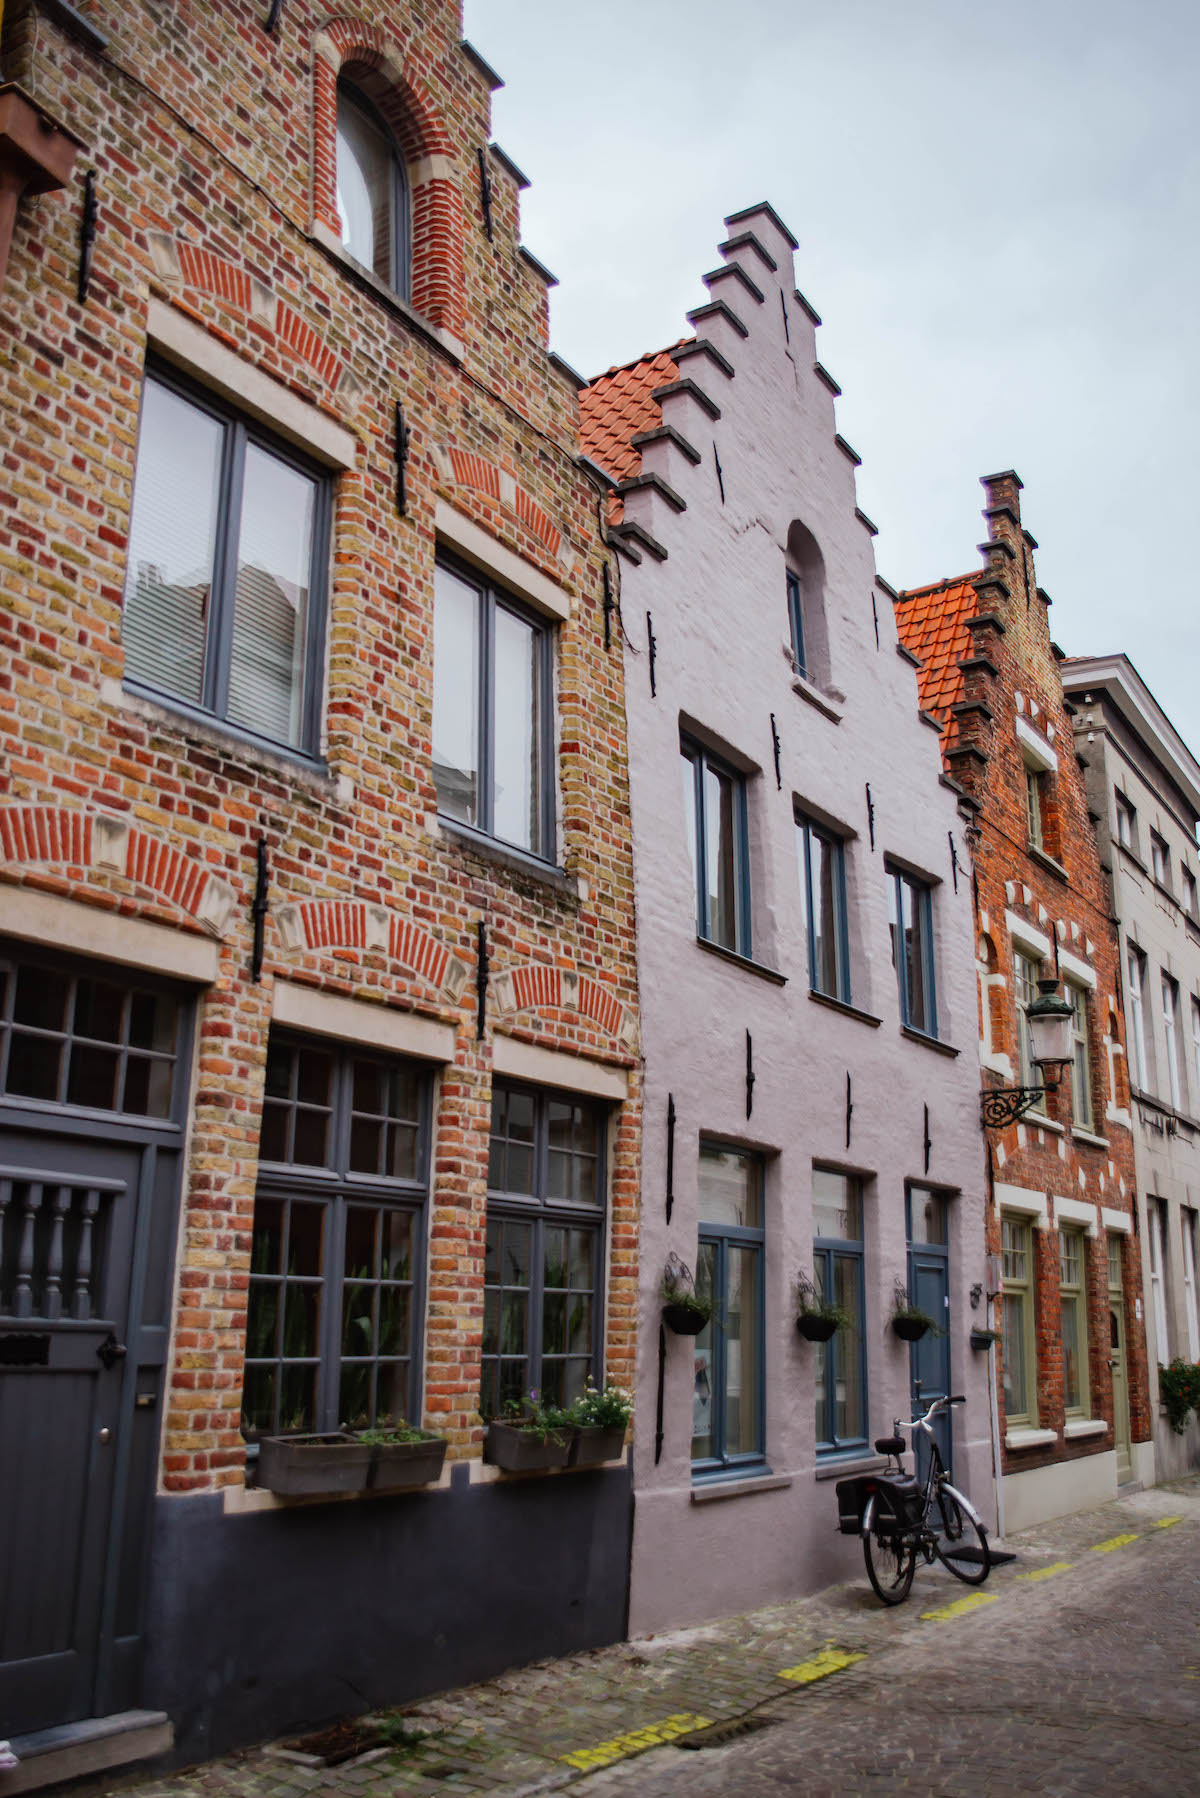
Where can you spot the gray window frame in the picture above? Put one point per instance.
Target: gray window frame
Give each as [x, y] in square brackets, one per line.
[539, 1209]
[809, 828]
[701, 758]
[795, 601]
[218, 634]
[491, 597]
[922, 892]
[399, 276]
[1126, 815]
[336, 1186]
[722, 1237]
[825, 1250]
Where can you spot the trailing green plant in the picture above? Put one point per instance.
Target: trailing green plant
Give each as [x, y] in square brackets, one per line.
[387, 1431]
[903, 1310]
[812, 1303]
[1179, 1390]
[607, 1409]
[678, 1288]
[549, 1423]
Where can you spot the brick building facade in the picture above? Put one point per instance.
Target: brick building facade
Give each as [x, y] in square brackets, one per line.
[310, 859]
[1066, 1273]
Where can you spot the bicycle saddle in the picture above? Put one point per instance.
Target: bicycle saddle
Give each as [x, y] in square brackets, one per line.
[889, 1445]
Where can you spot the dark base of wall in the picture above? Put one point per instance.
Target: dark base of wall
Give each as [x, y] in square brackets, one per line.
[275, 1621]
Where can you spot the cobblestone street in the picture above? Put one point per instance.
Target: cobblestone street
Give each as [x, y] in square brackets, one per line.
[1076, 1668]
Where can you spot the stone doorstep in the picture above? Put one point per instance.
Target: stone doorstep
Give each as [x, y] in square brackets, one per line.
[73, 1750]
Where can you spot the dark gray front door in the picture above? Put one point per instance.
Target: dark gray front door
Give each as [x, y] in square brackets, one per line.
[929, 1290]
[88, 1215]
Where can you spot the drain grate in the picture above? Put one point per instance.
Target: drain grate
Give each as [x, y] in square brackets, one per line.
[717, 1734]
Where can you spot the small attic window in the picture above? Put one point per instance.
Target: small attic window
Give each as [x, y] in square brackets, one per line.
[372, 190]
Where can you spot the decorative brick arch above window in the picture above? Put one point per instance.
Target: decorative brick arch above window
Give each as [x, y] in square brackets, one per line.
[459, 468]
[48, 835]
[318, 925]
[375, 63]
[561, 995]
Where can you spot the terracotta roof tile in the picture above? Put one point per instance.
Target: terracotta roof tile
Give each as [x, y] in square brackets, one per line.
[932, 624]
[616, 407]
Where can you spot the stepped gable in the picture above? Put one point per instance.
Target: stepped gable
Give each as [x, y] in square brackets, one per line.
[616, 407]
[932, 622]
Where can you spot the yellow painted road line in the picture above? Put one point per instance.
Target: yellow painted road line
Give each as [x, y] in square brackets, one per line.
[1047, 1572]
[830, 1660]
[652, 1736]
[959, 1608]
[1106, 1548]
[1164, 1523]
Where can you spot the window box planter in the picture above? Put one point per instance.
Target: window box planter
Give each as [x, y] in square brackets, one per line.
[594, 1443]
[815, 1328]
[685, 1319]
[911, 1329]
[516, 1450]
[399, 1466]
[297, 1465]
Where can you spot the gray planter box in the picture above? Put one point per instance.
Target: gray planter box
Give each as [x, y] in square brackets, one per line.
[520, 1451]
[398, 1466]
[296, 1465]
[593, 1444]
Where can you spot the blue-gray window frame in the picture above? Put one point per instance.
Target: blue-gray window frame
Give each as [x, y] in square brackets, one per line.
[218, 634]
[922, 893]
[399, 277]
[337, 1187]
[539, 1209]
[825, 1249]
[721, 1237]
[700, 758]
[795, 599]
[490, 596]
[810, 829]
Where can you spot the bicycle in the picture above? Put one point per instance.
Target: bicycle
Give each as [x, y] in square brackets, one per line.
[898, 1517]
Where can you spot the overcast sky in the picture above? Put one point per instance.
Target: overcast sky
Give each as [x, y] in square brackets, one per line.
[997, 213]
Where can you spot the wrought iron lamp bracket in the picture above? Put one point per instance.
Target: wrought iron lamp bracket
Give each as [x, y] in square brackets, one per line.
[1001, 1106]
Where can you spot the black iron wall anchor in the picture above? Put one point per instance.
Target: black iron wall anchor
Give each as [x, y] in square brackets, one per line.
[258, 910]
[485, 193]
[481, 978]
[787, 330]
[403, 445]
[928, 1140]
[610, 606]
[750, 1076]
[849, 1107]
[652, 640]
[953, 859]
[720, 471]
[272, 18]
[975, 888]
[870, 815]
[875, 616]
[662, 1375]
[670, 1155]
[87, 235]
[775, 746]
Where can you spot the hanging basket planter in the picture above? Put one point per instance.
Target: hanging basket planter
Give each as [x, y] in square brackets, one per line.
[982, 1340]
[815, 1328]
[911, 1329]
[686, 1318]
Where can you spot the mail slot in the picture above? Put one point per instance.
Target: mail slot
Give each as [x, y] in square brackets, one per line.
[22, 1348]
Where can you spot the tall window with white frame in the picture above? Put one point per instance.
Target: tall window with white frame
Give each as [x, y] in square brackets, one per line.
[372, 190]
[493, 712]
[1034, 782]
[1156, 1218]
[728, 1415]
[1072, 1266]
[1187, 1224]
[1081, 1061]
[224, 608]
[1191, 895]
[1127, 826]
[1160, 860]
[1170, 1013]
[910, 916]
[823, 870]
[1019, 1339]
[1025, 979]
[715, 814]
[839, 1277]
[1194, 1004]
[1137, 1016]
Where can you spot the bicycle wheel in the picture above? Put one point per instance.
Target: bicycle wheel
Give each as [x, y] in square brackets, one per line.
[891, 1558]
[960, 1543]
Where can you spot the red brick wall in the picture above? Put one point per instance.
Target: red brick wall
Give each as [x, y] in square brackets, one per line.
[200, 128]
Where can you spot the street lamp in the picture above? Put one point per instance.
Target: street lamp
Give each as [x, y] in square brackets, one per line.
[1050, 1018]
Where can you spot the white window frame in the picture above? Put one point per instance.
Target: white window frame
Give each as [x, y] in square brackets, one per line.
[1136, 963]
[1156, 1232]
[1170, 1012]
[1160, 860]
[1187, 1226]
[1195, 1010]
[1081, 1056]
[1127, 830]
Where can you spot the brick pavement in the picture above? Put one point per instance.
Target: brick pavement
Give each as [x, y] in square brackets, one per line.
[1029, 1691]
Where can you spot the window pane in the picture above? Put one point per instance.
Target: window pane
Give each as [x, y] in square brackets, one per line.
[92, 1077]
[34, 1066]
[270, 605]
[688, 774]
[730, 1188]
[912, 918]
[153, 1022]
[702, 1361]
[172, 536]
[929, 1218]
[824, 916]
[1072, 1387]
[518, 702]
[837, 1206]
[305, 1239]
[40, 999]
[98, 1010]
[720, 858]
[1016, 1377]
[456, 696]
[364, 188]
[847, 1351]
[742, 1373]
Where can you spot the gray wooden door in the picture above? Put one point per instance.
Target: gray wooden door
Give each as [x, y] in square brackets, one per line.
[88, 1215]
[929, 1290]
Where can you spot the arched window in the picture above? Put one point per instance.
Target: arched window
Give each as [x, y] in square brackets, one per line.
[806, 604]
[372, 190]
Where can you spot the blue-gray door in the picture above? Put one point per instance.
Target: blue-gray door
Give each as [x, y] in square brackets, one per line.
[91, 1083]
[929, 1290]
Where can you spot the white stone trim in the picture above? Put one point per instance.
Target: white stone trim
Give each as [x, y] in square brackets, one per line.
[552, 1067]
[361, 1021]
[1084, 1426]
[510, 569]
[1119, 1222]
[1030, 1438]
[432, 168]
[1076, 1211]
[1035, 750]
[1076, 971]
[85, 929]
[1027, 936]
[1023, 1203]
[191, 347]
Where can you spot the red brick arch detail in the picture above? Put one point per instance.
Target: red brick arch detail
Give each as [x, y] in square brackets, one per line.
[56, 836]
[539, 988]
[206, 273]
[376, 62]
[342, 924]
[476, 471]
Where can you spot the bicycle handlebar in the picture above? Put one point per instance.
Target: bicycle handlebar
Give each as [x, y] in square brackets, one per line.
[917, 1423]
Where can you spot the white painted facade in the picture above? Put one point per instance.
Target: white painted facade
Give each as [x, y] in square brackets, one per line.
[712, 577]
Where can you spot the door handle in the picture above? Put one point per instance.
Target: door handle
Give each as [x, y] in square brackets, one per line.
[111, 1351]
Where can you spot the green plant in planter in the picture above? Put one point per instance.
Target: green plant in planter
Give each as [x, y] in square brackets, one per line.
[1179, 1390]
[386, 1432]
[546, 1423]
[610, 1409]
[908, 1320]
[684, 1309]
[818, 1318]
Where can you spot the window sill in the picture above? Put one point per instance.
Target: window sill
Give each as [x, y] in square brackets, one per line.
[1048, 862]
[710, 1489]
[214, 733]
[835, 1464]
[493, 850]
[1077, 1427]
[844, 1006]
[1018, 1439]
[742, 961]
[366, 277]
[930, 1042]
[816, 698]
[1090, 1137]
[1038, 1120]
[1133, 856]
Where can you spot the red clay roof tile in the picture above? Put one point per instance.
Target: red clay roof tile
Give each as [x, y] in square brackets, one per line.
[932, 624]
[616, 407]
